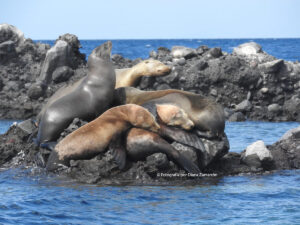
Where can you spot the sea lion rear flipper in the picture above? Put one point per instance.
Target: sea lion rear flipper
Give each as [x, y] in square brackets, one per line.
[182, 137]
[177, 157]
[119, 152]
[187, 164]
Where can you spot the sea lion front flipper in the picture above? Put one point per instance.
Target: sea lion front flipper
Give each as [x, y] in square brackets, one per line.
[182, 136]
[119, 152]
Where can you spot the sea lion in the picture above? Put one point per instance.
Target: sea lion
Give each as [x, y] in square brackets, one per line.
[93, 138]
[91, 97]
[206, 114]
[129, 76]
[124, 77]
[142, 143]
[167, 115]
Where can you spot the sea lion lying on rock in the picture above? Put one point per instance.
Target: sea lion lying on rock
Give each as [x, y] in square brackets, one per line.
[93, 138]
[206, 114]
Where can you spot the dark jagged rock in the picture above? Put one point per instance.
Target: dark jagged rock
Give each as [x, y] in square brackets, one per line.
[247, 74]
[15, 151]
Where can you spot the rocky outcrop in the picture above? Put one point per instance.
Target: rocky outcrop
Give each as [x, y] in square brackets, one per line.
[15, 151]
[258, 158]
[25, 75]
[249, 82]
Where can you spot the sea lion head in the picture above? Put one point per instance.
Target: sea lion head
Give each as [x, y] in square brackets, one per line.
[174, 116]
[151, 67]
[142, 118]
[102, 52]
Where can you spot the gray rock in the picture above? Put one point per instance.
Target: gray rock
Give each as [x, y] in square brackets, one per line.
[291, 133]
[292, 108]
[201, 65]
[1, 84]
[183, 52]
[56, 57]
[179, 61]
[36, 91]
[271, 67]
[244, 106]
[275, 108]
[214, 92]
[202, 49]
[27, 126]
[215, 52]
[247, 49]
[71, 39]
[162, 52]
[62, 74]
[11, 33]
[157, 160]
[237, 117]
[7, 47]
[12, 86]
[264, 90]
[153, 54]
[228, 112]
[257, 155]
[163, 87]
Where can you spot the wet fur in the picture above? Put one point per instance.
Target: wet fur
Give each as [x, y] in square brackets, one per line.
[206, 114]
[93, 138]
[142, 143]
[89, 99]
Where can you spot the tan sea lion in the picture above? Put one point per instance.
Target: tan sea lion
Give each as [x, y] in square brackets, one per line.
[124, 77]
[93, 138]
[143, 143]
[206, 114]
[91, 97]
[150, 67]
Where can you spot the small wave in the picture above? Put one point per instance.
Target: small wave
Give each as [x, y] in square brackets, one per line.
[148, 46]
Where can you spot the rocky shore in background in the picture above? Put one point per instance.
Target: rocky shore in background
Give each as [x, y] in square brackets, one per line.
[249, 83]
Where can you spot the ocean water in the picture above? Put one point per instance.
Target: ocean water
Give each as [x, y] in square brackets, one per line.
[29, 196]
[283, 48]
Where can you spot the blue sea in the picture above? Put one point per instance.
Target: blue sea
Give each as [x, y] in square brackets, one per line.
[29, 196]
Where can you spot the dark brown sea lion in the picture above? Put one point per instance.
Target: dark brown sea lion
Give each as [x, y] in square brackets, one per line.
[142, 143]
[206, 114]
[124, 77]
[93, 138]
[91, 97]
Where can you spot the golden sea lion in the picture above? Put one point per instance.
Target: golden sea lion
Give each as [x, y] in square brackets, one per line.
[150, 67]
[93, 138]
[141, 143]
[124, 77]
[206, 114]
[91, 97]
